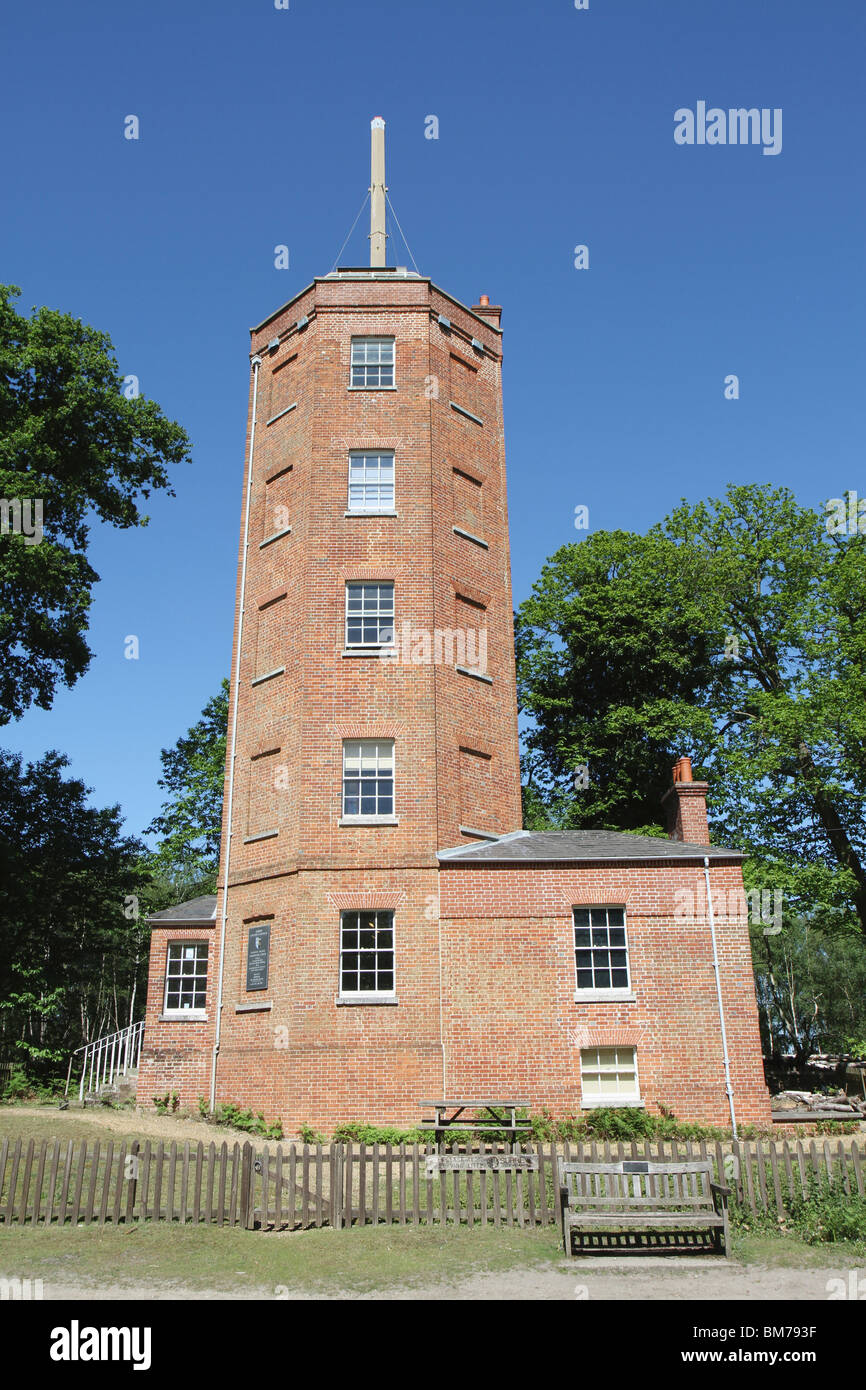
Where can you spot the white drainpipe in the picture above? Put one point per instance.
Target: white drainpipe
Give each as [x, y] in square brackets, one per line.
[256, 363]
[728, 1087]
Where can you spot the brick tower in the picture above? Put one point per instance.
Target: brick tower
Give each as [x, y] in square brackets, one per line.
[384, 930]
[373, 718]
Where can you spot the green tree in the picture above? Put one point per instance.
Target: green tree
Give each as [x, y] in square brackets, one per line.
[186, 858]
[73, 945]
[75, 445]
[734, 631]
[811, 988]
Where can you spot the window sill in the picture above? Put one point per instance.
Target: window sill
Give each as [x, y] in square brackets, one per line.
[342, 1000]
[184, 1016]
[612, 1103]
[373, 388]
[371, 513]
[263, 1007]
[368, 651]
[265, 835]
[369, 820]
[605, 996]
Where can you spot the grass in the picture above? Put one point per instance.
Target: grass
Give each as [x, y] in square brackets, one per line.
[206, 1257]
[320, 1261]
[15, 1124]
[790, 1252]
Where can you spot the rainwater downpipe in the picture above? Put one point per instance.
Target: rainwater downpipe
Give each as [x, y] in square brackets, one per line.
[256, 363]
[728, 1087]
[441, 1006]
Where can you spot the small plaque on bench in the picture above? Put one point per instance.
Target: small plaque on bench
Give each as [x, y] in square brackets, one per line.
[633, 1167]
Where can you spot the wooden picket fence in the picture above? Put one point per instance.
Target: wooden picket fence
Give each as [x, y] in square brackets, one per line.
[291, 1187]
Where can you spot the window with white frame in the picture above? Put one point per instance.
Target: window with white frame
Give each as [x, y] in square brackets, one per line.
[368, 777]
[366, 953]
[369, 614]
[600, 948]
[185, 976]
[371, 481]
[372, 362]
[608, 1075]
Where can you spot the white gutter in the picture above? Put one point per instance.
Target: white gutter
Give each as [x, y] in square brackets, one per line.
[710, 913]
[441, 1006]
[256, 363]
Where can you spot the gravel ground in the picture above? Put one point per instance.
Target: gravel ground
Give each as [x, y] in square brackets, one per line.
[602, 1278]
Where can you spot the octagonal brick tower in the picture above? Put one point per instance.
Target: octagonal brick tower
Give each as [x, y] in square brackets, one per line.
[374, 637]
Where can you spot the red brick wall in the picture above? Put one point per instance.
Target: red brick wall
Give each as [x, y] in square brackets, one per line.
[510, 1008]
[176, 1053]
[306, 1058]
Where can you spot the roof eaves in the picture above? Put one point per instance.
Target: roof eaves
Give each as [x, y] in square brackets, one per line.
[400, 280]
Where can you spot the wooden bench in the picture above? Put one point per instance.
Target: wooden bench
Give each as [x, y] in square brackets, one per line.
[490, 1117]
[674, 1205]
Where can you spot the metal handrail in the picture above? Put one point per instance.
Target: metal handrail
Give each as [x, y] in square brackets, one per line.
[113, 1055]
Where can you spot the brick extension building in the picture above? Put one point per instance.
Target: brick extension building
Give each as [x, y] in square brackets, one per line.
[384, 931]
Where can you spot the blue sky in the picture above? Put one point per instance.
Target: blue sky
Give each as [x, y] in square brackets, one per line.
[555, 129]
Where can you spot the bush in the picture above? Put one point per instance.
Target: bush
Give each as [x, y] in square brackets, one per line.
[623, 1124]
[18, 1087]
[22, 1087]
[308, 1135]
[356, 1132]
[169, 1101]
[826, 1213]
[233, 1117]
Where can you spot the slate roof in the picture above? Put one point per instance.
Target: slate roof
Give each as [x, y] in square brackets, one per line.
[197, 910]
[589, 846]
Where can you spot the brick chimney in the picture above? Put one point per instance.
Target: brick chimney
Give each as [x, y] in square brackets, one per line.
[485, 310]
[686, 806]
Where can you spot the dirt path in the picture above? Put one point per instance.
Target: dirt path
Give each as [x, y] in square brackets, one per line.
[654, 1280]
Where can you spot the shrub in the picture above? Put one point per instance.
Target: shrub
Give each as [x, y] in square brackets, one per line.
[356, 1132]
[169, 1101]
[18, 1087]
[308, 1135]
[826, 1213]
[233, 1117]
[623, 1124]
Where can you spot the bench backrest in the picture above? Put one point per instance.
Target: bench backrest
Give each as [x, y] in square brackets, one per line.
[638, 1183]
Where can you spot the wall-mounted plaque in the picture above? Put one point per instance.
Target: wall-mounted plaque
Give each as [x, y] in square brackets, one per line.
[258, 955]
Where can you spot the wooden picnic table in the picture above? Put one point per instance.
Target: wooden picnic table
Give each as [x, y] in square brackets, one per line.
[489, 1118]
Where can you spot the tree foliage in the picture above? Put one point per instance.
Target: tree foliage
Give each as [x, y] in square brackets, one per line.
[811, 989]
[71, 440]
[190, 821]
[73, 948]
[735, 632]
